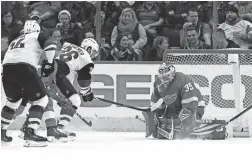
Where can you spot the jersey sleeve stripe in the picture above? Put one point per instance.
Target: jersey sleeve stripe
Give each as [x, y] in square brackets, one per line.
[201, 103]
[186, 101]
[50, 47]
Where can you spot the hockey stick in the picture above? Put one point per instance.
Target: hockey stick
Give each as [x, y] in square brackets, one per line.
[67, 102]
[238, 115]
[53, 84]
[123, 105]
[140, 119]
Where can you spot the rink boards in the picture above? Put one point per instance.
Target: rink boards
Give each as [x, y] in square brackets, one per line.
[132, 84]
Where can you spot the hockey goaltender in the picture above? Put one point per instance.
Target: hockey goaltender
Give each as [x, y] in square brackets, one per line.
[177, 107]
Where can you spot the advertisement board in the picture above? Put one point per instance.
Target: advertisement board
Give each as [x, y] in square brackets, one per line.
[131, 84]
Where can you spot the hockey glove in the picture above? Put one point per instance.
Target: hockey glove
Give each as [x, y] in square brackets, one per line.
[187, 119]
[87, 94]
[47, 68]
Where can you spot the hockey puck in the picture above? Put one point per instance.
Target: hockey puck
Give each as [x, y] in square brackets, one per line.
[137, 116]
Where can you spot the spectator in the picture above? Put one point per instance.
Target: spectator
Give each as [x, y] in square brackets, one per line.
[10, 28]
[129, 26]
[118, 7]
[122, 50]
[193, 41]
[244, 8]
[56, 35]
[89, 35]
[81, 12]
[70, 32]
[150, 15]
[175, 17]
[176, 13]
[47, 12]
[222, 42]
[236, 29]
[106, 29]
[19, 9]
[160, 45]
[222, 10]
[202, 28]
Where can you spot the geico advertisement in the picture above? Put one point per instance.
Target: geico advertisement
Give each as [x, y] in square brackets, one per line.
[132, 84]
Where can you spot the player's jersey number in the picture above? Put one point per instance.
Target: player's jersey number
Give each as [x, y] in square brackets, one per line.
[188, 87]
[17, 44]
[68, 53]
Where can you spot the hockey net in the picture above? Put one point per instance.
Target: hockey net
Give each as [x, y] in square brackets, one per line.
[218, 81]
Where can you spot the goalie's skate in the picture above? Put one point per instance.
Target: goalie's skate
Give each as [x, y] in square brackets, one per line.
[34, 140]
[70, 135]
[54, 135]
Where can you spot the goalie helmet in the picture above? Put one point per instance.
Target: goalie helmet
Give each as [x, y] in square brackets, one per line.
[91, 46]
[166, 73]
[31, 26]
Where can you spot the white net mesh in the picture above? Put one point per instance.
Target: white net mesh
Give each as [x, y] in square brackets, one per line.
[214, 76]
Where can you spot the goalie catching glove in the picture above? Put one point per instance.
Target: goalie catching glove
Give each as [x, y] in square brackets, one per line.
[87, 94]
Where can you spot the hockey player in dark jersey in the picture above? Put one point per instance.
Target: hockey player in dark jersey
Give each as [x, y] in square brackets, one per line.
[177, 107]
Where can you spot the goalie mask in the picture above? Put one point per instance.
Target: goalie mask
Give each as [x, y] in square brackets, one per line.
[166, 73]
[91, 46]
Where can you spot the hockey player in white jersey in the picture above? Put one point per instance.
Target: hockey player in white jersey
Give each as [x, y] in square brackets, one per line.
[20, 79]
[74, 62]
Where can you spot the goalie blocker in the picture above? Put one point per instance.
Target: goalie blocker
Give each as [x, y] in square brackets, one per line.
[177, 107]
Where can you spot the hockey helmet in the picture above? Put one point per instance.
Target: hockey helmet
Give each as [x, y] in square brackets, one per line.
[166, 72]
[91, 46]
[31, 26]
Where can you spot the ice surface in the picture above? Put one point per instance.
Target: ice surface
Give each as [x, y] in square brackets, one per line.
[112, 145]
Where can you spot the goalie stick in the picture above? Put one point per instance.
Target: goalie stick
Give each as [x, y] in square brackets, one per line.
[238, 115]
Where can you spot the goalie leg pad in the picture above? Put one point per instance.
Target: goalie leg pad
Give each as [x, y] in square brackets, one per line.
[149, 122]
[215, 130]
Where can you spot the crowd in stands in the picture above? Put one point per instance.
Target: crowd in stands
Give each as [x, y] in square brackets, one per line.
[134, 30]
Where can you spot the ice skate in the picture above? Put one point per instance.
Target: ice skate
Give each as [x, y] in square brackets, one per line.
[5, 139]
[34, 140]
[54, 135]
[70, 135]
